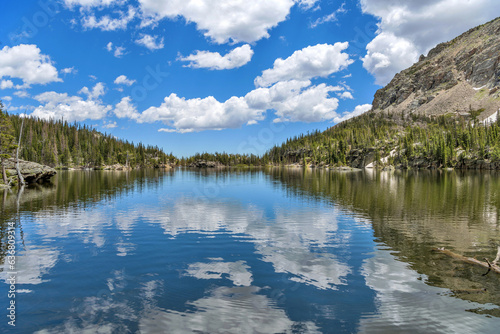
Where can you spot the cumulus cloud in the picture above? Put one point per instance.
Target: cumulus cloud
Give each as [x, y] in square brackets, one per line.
[225, 20]
[22, 94]
[97, 91]
[388, 54]
[5, 84]
[107, 23]
[109, 125]
[72, 108]
[297, 101]
[25, 62]
[123, 80]
[117, 51]
[346, 95]
[410, 28]
[291, 101]
[361, 109]
[69, 70]
[188, 115]
[150, 41]
[286, 90]
[214, 61]
[319, 60]
[125, 109]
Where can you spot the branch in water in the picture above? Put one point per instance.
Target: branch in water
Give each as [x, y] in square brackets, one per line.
[491, 266]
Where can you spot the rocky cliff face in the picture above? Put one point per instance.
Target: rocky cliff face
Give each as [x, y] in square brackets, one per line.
[454, 77]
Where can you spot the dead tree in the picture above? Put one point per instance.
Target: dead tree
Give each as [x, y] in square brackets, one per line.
[19, 175]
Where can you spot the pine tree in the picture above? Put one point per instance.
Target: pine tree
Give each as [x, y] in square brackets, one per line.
[7, 140]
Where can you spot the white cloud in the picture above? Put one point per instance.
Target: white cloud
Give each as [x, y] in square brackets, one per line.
[6, 98]
[291, 100]
[96, 92]
[201, 114]
[151, 42]
[410, 28]
[69, 70]
[125, 109]
[21, 107]
[106, 23]
[123, 80]
[71, 108]
[296, 101]
[361, 109]
[118, 50]
[388, 54]
[92, 3]
[22, 94]
[225, 20]
[346, 95]
[5, 84]
[306, 4]
[214, 61]
[330, 17]
[25, 62]
[319, 60]
[110, 125]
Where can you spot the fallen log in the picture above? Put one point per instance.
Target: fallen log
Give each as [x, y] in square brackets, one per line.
[490, 266]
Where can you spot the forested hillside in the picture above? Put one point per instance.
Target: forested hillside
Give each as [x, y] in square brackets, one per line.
[413, 141]
[223, 159]
[59, 143]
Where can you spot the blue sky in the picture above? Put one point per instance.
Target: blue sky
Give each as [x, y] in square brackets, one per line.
[215, 75]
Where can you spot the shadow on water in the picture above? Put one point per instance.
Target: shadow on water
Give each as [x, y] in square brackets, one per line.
[413, 212]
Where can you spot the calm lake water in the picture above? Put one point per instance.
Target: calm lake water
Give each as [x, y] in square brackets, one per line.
[260, 251]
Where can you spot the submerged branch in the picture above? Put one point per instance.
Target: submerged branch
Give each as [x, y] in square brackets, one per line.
[470, 260]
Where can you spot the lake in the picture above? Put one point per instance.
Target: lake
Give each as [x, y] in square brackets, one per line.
[252, 251]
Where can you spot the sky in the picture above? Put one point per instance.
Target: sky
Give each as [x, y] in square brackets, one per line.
[230, 76]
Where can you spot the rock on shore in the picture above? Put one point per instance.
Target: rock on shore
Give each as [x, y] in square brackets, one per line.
[32, 172]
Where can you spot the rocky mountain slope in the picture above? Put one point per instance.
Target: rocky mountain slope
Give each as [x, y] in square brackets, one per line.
[426, 117]
[454, 78]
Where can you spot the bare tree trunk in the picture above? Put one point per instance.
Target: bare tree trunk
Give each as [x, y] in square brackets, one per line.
[4, 174]
[19, 175]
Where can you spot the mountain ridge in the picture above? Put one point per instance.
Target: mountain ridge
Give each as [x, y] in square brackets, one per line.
[427, 117]
[455, 77]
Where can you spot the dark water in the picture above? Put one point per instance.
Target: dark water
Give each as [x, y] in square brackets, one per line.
[273, 251]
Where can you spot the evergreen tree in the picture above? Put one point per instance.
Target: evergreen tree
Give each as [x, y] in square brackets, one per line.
[7, 140]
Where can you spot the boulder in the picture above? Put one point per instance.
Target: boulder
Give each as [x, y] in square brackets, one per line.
[32, 172]
[205, 164]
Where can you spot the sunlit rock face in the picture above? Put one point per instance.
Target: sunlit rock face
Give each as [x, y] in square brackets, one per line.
[455, 76]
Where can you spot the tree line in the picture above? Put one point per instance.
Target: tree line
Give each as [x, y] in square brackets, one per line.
[58, 143]
[446, 140]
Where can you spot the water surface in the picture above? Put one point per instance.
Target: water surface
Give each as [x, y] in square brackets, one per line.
[272, 251]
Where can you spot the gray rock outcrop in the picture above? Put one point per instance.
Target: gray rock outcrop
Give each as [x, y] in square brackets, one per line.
[32, 172]
[205, 164]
